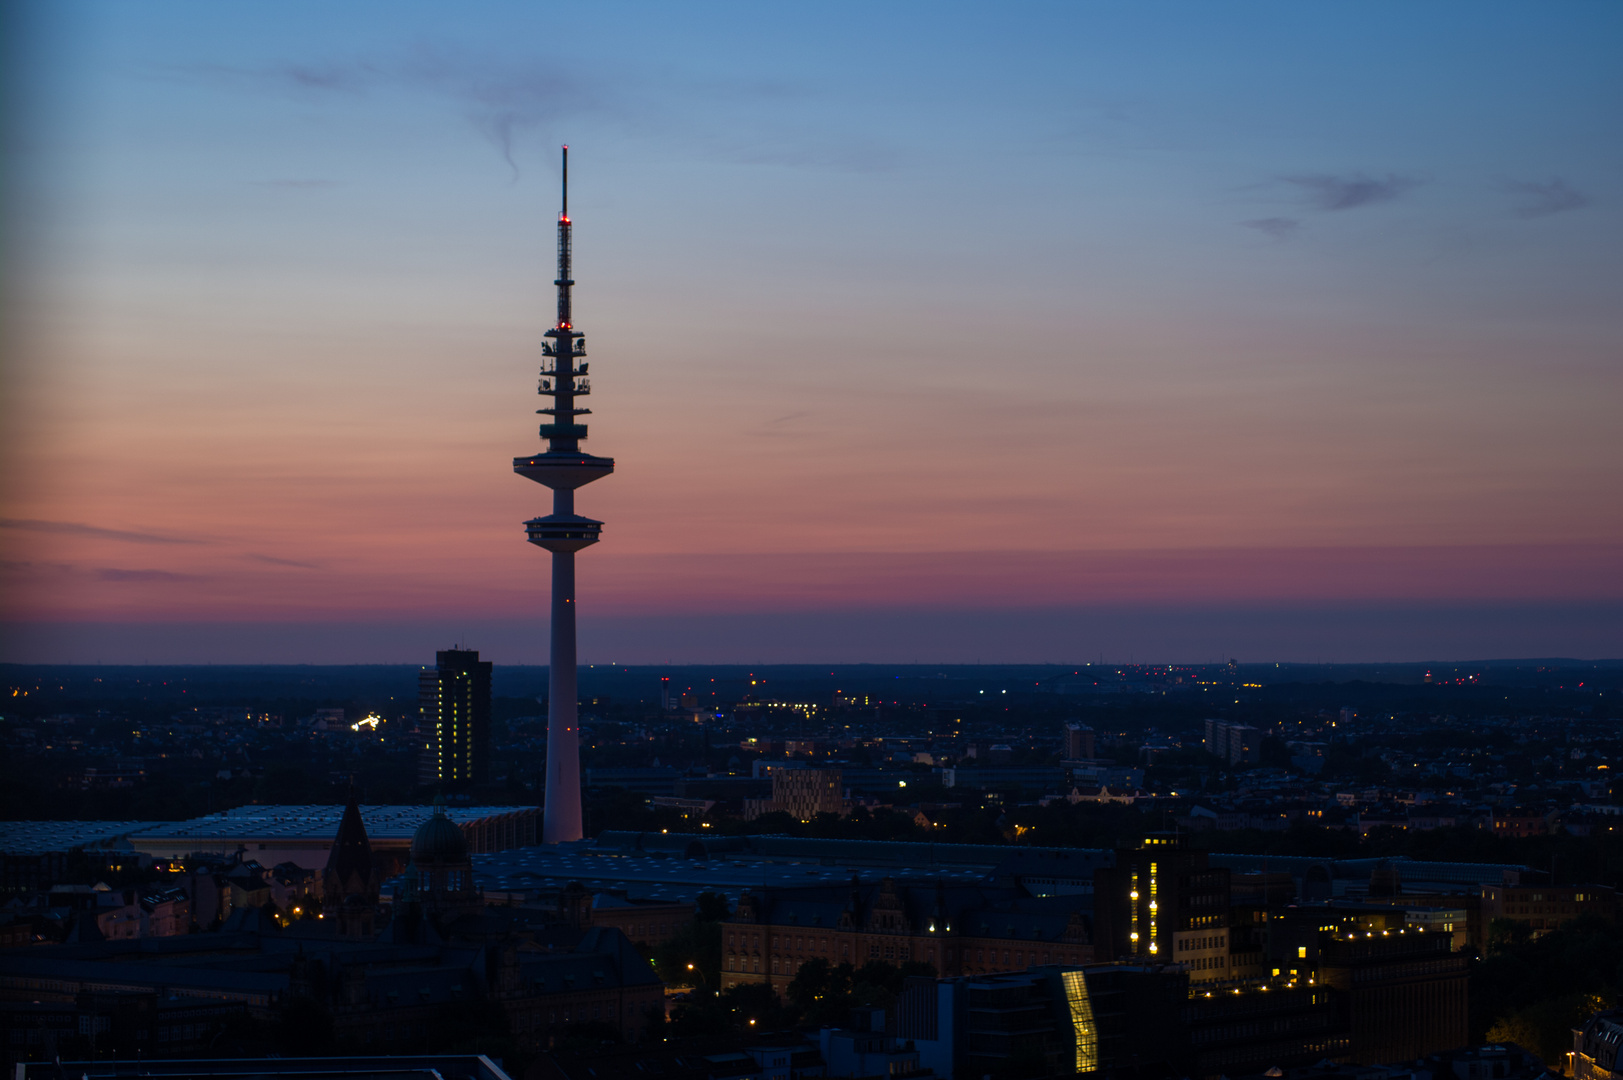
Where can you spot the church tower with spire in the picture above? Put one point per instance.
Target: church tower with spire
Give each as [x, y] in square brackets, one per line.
[349, 884]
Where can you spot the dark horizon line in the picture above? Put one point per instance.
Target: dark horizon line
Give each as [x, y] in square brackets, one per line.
[1563, 661]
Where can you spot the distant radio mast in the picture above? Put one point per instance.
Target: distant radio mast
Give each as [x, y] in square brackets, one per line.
[563, 467]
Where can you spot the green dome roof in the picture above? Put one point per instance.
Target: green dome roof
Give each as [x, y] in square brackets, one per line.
[439, 839]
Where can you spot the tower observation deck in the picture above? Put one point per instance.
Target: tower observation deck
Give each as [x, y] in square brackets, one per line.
[563, 467]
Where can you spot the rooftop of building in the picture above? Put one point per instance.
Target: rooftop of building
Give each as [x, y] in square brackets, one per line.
[259, 963]
[676, 867]
[393, 1067]
[315, 822]
[675, 878]
[44, 837]
[886, 853]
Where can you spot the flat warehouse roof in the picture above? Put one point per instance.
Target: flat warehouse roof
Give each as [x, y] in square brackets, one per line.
[43, 837]
[317, 822]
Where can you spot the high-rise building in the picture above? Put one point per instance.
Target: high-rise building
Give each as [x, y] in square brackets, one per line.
[453, 705]
[1237, 744]
[1078, 742]
[563, 467]
[1162, 902]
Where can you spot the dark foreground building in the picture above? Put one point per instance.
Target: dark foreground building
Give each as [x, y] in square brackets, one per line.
[410, 1067]
[1121, 1019]
[1406, 989]
[956, 929]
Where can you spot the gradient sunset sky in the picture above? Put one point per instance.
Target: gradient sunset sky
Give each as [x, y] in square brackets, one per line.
[919, 332]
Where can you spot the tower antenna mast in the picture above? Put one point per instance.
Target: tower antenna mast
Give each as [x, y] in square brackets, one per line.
[563, 467]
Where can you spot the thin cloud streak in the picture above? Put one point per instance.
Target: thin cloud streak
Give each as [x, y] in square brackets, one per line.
[74, 528]
[1541, 200]
[1280, 228]
[500, 98]
[503, 98]
[296, 184]
[113, 573]
[272, 560]
[1332, 193]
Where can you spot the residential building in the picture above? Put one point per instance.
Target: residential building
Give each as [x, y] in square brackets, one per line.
[1237, 744]
[454, 709]
[1520, 821]
[1595, 1047]
[1546, 907]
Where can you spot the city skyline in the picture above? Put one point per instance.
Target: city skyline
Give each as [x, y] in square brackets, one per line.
[1172, 332]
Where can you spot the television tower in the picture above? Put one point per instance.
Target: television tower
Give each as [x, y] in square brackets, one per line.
[563, 467]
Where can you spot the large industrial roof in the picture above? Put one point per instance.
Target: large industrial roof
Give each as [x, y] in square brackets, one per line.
[42, 837]
[654, 877]
[318, 822]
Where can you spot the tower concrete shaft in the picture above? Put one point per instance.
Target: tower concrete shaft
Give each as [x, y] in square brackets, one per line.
[563, 467]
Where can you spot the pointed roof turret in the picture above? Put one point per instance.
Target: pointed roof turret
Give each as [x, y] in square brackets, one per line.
[349, 863]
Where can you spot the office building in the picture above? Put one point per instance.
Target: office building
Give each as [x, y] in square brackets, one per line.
[1123, 1019]
[1405, 985]
[453, 705]
[1052, 1020]
[801, 793]
[1078, 742]
[1229, 1033]
[1407, 992]
[1163, 902]
[957, 929]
